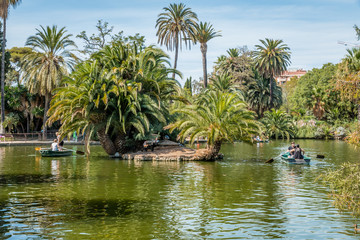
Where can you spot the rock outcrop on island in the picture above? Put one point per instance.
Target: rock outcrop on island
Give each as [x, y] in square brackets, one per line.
[167, 150]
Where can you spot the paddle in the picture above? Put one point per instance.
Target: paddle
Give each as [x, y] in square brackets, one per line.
[320, 156]
[80, 152]
[270, 160]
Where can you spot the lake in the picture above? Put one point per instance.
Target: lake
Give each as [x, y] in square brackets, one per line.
[240, 197]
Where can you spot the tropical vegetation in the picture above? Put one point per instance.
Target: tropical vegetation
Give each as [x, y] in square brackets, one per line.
[120, 91]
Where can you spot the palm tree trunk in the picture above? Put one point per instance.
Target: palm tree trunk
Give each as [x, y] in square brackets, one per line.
[213, 151]
[203, 49]
[120, 143]
[270, 85]
[176, 54]
[3, 78]
[47, 98]
[106, 142]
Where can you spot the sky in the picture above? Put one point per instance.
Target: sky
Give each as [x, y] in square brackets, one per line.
[311, 28]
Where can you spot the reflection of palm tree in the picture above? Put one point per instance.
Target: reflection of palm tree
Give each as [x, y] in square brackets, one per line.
[4, 11]
[175, 25]
[45, 67]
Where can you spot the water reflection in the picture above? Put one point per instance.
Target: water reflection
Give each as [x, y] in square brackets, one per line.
[102, 198]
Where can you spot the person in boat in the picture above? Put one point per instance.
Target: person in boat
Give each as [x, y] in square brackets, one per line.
[54, 145]
[257, 138]
[298, 153]
[60, 142]
[292, 146]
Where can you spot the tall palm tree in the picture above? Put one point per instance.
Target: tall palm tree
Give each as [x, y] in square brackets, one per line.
[175, 25]
[204, 33]
[4, 11]
[49, 63]
[272, 58]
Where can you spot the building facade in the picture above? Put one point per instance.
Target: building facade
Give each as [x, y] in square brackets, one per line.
[287, 75]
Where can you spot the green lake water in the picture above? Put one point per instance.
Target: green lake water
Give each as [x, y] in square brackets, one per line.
[240, 197]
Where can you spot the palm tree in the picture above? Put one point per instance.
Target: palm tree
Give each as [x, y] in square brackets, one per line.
[278, 123]
[48, 64]
[176, 24]
[258, 96]
[216, 116]
[4, 11]
[118, 94]
[272, 58]
[204, 33]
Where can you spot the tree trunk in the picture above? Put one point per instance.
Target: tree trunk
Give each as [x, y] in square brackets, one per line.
[270, 85]
[106, 142]
[203, 49]
[47, 96]
[2, 130]
[213, 151]
[120, 141]
[176, 54]
[27, 123]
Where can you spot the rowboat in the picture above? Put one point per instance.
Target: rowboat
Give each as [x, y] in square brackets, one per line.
[262, 141]
[47, 152]
[285, 157]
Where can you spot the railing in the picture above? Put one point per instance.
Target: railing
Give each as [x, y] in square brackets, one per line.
[35, 136]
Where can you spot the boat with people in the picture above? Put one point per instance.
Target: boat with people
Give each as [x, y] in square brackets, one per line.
[292, 160]
[48, 152]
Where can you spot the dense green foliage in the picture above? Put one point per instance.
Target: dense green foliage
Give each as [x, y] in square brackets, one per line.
[121, 92]
[278, 123]
[344, 186]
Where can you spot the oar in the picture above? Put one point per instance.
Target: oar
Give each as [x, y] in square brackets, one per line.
[79, 152]
[320, 156]
[270, 160]
[76, 151]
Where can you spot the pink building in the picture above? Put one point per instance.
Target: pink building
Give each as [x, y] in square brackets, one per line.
[285, 76]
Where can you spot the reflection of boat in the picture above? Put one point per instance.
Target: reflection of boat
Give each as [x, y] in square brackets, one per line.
[47, 152]
[285, 157]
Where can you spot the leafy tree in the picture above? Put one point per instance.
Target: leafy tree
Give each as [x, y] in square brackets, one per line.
[238, 64]
[278, 123]
[17, 58]
[216, 116]
[104, 36]
[177, 24]
[348, 77]
[49, 62]
[272, 58]
[4, 11]
[188, 85]
[204, 33]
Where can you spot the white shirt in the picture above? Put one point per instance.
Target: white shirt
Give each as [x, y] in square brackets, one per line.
[54, 146]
